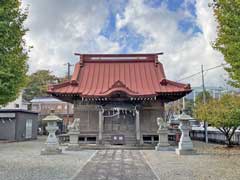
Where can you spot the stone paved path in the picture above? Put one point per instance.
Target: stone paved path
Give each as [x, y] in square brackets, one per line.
[116, 165]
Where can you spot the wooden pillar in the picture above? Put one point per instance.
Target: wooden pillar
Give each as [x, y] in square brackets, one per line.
[100, 127]
[138, 137]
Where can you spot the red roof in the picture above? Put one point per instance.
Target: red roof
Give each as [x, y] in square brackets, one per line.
[101, 75]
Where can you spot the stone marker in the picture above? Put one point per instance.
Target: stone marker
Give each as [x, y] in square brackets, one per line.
[163, 144]
[52, 144]
[74, 131]
[185, 146]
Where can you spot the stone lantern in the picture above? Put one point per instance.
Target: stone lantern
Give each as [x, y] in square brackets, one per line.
[163, 144]
[185, 146]
[52, 144]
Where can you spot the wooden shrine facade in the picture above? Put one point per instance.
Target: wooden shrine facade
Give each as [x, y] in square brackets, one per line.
[118, 97]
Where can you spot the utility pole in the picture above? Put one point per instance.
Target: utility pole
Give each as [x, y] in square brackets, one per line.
[68, 71]
[184, 105]
[204, 102]
[194, 98]
[68, 76]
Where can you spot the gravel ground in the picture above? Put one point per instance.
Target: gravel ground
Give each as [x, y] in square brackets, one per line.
[211, 162]
[22, 161]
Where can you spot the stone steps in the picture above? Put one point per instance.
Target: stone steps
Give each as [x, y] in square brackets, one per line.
[116, 147]
[129, 139]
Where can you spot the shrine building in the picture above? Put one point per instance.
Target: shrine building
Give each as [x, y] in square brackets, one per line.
[118, 97]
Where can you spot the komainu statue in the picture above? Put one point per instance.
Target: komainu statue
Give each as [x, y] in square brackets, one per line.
[75, 126]
[161, 123]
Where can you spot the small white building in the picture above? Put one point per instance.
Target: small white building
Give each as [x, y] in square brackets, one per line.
[44, 105]
[19, 103]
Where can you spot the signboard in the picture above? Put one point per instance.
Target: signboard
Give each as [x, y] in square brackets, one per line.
[118, 139]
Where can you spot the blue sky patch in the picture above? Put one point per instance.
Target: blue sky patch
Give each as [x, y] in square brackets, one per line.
[191, 7]
[117, 7]
[110, 25]
[187, 24]
[128, 39]
[174, 5]
[153, 3]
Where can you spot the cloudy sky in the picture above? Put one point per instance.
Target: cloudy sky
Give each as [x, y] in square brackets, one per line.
[182, 29]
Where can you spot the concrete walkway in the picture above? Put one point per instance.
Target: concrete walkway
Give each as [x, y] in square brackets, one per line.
[116, 165]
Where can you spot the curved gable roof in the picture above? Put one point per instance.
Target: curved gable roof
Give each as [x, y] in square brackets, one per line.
[100, 75]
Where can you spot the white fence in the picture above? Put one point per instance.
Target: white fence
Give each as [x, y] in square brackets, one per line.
[214, 136]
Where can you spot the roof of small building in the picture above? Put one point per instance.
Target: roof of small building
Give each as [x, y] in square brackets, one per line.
[16, 111]
[101, 75]
[44, 99]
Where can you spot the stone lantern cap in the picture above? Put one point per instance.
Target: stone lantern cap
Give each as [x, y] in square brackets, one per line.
[184, 117]
[52, 117]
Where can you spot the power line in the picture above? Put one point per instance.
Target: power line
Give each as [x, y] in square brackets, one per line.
[203, 89]
[190, 76]
[203, 71]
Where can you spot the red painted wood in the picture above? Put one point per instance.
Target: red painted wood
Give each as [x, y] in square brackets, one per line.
[103, 77]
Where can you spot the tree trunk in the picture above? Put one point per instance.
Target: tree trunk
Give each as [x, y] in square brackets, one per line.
[229, 142]
[228, 134]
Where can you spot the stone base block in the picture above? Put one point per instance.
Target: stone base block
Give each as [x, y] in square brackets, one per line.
[162, 148]
[50, 151]
[185, 152]
[73, 147]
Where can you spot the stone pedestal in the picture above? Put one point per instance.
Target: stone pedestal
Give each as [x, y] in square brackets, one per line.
[163, 144]
[185, 146]
[73, 141]
[52, 145]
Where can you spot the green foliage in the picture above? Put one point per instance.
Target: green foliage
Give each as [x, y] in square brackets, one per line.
[189, 105]
[13, 52]
[228, 42]
[223, 114]
[199, 97]
[38, 83]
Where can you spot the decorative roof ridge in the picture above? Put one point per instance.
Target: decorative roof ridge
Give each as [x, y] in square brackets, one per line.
[116, 55]
[118, 61]
[51, 87]
[160, 66]
[119, 85]
[164, 81]
[74, 79]
[143, 57]
[185, 86]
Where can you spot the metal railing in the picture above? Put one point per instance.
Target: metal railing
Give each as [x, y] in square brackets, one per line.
[214, 136]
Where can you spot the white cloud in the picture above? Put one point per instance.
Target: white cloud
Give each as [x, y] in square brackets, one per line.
[59, 29]
[184, 53]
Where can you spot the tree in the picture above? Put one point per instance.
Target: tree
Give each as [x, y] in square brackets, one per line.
[227, 14]
[189, 105]
[223, 114]
[13, 51]
[199, 97]
[38, 83]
